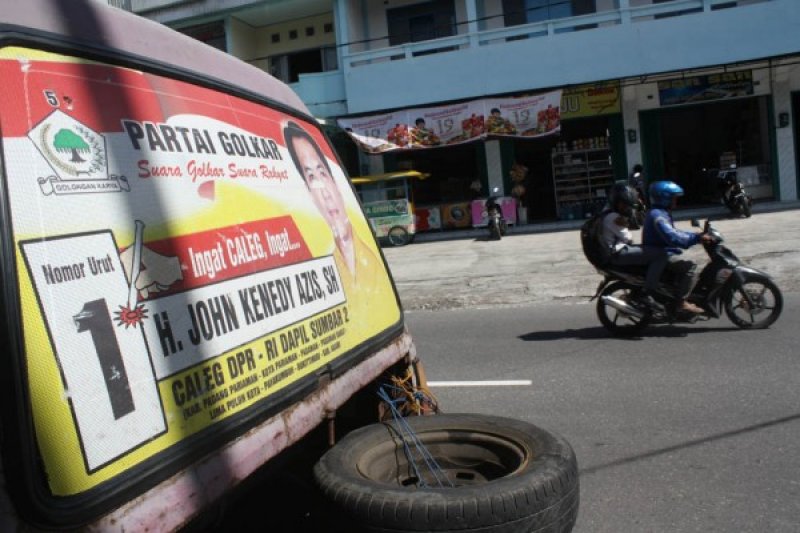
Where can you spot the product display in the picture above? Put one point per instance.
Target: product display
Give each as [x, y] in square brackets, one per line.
[581, 175]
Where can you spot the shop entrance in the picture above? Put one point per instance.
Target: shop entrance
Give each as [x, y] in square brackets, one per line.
[570, 174]
[689, 144]
[539, 197]
[452, 170]
[443, 201]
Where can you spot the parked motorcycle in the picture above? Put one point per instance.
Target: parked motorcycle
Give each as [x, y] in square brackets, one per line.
[496, 223]
[734, 197]
[749, 297]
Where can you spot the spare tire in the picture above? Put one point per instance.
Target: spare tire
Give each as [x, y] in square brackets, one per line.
[507, 476]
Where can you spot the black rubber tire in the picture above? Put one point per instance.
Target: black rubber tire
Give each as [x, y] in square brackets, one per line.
[734, 301]
[398, 236]
[629, 327]
[511, 477]
[747, 208]
[494, 232]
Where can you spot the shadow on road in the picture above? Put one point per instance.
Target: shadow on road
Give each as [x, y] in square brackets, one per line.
[599, 332]
[689, 444]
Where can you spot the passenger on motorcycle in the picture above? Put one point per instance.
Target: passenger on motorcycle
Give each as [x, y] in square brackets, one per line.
[659, 231]
[624, 202]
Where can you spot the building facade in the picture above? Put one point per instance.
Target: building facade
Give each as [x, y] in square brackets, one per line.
[683, 87]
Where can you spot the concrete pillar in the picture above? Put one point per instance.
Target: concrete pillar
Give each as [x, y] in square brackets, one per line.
[472, 22]
[624, 7]
[494, 166]
[340, 24]
[784, 138]
[630, 120]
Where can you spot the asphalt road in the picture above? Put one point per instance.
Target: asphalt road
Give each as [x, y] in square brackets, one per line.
[689, 429]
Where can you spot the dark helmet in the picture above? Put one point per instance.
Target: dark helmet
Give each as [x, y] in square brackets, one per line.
[662, 193]
[623, 194]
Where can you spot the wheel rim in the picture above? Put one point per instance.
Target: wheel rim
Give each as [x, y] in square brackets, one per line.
[457, 458]
[398, 236]
[764, 299]
[614, 319]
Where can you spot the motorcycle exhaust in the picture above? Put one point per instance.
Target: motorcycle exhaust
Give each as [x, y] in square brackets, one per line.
[622, 306]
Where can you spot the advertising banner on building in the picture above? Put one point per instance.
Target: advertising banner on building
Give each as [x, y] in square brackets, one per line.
[704, 88]
[590, 100]
[429, 127]
[183, 256]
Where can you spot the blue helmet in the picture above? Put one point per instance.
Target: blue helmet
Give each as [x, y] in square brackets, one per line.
[662, 193]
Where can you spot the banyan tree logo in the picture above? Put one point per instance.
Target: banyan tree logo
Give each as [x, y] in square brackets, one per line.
[77, 154]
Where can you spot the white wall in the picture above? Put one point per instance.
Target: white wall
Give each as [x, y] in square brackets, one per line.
[265, 46]
[241, 39]
[786, 81]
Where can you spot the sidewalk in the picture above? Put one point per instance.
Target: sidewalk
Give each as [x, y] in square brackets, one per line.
[712, 211]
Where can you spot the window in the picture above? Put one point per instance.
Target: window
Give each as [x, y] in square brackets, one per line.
[309, 31]
[421, 22]
[539, 10]
[328, 27]
[212, 34]
[292, 34]
[526, 11]
[676, 13]
[276, 37]
[289, 67]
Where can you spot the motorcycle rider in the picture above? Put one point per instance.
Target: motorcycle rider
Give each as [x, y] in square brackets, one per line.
[624, 203]
[659, 231]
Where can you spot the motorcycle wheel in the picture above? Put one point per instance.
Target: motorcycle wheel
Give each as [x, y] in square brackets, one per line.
[398, 236]
[495, 233]
[615, 321]
[747, 208]
[765, 295]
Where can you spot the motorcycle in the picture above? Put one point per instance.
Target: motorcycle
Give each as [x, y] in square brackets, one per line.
[749, 297]
[496, 223]
[734, 197]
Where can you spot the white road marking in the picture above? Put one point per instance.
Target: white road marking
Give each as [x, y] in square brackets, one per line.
[485, 383]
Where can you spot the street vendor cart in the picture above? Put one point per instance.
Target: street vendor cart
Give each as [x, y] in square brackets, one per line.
[389, 204]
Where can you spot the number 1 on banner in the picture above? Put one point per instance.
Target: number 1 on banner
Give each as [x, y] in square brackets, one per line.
[95, 318]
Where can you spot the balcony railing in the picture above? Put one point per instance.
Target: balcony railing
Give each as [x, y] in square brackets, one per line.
[629, 15]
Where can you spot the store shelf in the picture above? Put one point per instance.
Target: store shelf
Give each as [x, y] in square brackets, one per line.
[581, 178]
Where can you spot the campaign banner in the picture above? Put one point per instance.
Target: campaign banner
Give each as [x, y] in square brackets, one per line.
[184, 257]
[436, 126]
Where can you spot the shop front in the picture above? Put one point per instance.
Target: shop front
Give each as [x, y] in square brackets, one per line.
[466, 148]
[569, 174]
[444, 200]
[707, 123]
